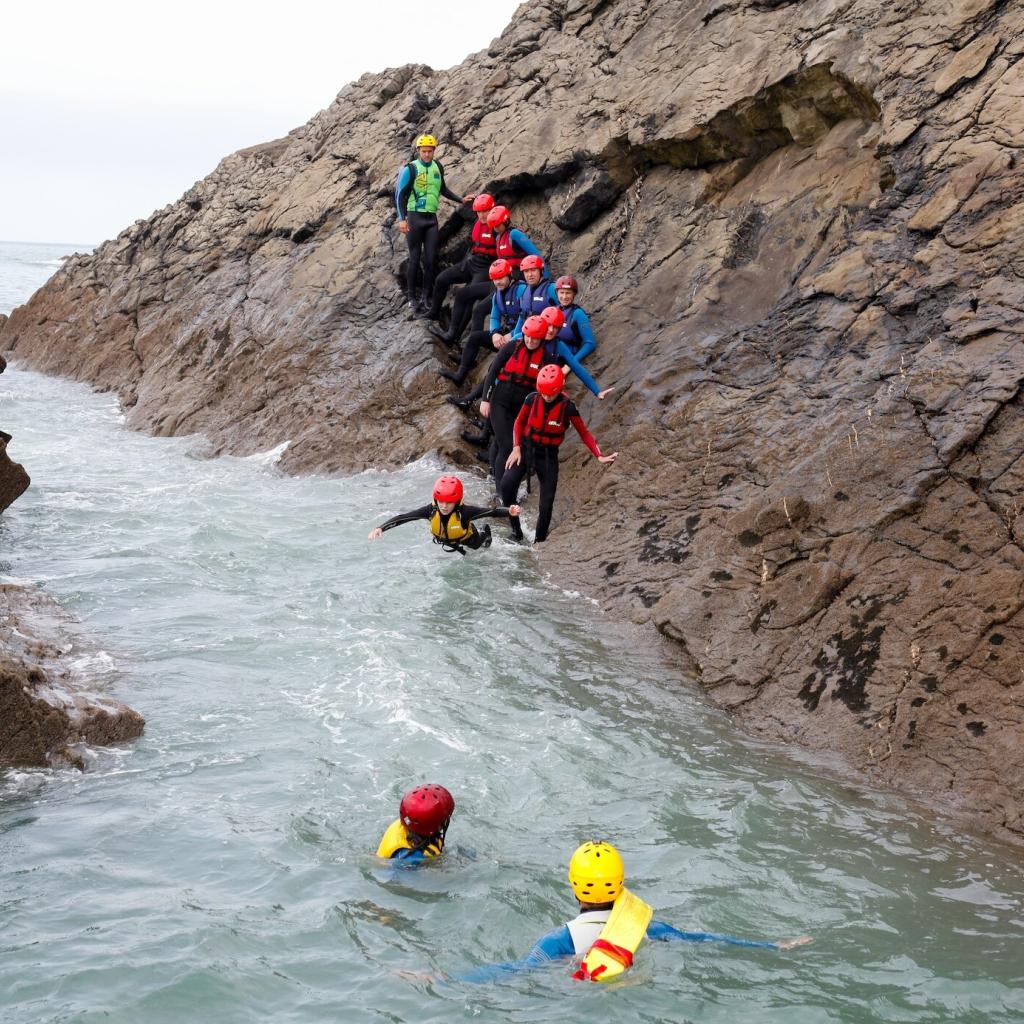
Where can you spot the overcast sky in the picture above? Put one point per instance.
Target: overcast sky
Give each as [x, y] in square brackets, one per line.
[110, 110]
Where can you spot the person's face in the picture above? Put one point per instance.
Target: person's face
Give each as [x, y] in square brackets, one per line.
[566, 296]
[503, 282]
[532, 343]
[532, 277]
[550, 398]
[481, 215]
[552, 331]
[444, 507]
[426, 154]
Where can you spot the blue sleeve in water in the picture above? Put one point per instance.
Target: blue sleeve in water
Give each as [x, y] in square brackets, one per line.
[659, 931]
[574, 364]
[409, 856]
[556, 945]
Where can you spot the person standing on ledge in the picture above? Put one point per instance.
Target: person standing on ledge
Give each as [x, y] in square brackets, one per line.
[417, 197]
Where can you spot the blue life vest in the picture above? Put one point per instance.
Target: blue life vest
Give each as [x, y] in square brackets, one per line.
[509, 305]
[536, 300]
[569, 332]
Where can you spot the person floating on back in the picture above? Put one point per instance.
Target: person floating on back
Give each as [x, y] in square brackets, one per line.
[537, 433]
[452, 522]
[417, 197]
[417, 834]
[610, 926]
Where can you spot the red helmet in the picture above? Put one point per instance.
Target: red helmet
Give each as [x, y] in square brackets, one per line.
[553, 317]
[426, 810]
[567, 282]
[448, 488]
[483, 203]
[499, 269]
[535, 327]
[531, 262]
[498, 215]
[550, 380]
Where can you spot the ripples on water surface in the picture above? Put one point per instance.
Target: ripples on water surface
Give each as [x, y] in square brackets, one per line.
[296, 679]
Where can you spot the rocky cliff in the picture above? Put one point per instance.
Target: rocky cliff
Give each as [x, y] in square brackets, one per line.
[798, 228]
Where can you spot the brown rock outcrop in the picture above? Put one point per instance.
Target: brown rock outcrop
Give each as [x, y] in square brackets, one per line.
[45, 708]
[14, 480]
[799, 230]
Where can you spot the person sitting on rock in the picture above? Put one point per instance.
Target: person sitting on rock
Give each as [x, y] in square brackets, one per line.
[537, 434]
[506, 307]
[418, 833]
[538, 291]
[611, 925]
[452, 522]
[471, 271]
[417, 197]
[576, 331]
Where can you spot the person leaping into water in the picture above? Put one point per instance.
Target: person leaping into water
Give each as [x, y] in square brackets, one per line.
[452, 522]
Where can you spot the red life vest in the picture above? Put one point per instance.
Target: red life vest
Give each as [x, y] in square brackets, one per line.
[484, 242]
[523, 366]
[507, 251]
[547, 423]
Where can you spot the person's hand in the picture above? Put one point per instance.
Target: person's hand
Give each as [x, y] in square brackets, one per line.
[469, 198]
[485, 409]
[497, 340]
[608, 458]
[514, 458]
[376, 533]
[403, 226]
[791, 943]
[607, 391]
[514, 510]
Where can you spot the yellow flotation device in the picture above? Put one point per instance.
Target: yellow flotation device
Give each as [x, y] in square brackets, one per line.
[397, 838]
[456, 530]
[612, 952]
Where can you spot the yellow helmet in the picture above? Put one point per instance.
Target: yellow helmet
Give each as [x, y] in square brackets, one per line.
[596, 873]
[426, 140]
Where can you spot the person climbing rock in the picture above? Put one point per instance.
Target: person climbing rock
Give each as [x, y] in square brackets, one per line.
[538, 291]
[470, 271]
[417, 197]
[506, 307]
[537, 434]
[512, 244]
[611, 924]
[575, 331]
[418, 833]
[512, 376]
[451, 521]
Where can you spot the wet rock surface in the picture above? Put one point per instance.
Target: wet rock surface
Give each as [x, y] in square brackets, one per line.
[798, 229]
[14, 479]
[48, 707]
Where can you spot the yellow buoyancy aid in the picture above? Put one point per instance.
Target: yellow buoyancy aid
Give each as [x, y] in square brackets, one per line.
[397, 838]
[612, 953]
[455, 532]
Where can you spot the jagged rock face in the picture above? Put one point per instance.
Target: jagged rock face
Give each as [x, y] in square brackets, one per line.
[45, 711]
[798, 228]
[14, 479]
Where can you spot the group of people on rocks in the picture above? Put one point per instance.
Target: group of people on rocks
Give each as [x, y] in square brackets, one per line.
[539, 336]
[604, 935]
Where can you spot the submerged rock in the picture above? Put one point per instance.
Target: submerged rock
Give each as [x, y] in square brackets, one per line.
[47, 708]
[799, 231]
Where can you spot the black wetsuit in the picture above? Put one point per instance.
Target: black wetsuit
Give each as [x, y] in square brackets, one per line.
[468, 513]
[423, 237]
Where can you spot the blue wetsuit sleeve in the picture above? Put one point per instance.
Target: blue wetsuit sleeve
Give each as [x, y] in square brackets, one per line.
[402, 189]
[586, 333]
[562, 351]
[495, 322]
[659, 931]
[409, 856]
[556, 945]
[522, 243]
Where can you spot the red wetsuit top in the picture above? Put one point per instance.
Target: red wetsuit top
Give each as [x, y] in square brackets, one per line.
[546, 422]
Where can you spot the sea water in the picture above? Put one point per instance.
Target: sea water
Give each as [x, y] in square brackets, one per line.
[24, 266]
[296, 679]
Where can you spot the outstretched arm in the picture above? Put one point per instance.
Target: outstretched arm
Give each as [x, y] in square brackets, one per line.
[565, 353]
[556, 945]
[585, 333]
[406, 517]
[659, 931]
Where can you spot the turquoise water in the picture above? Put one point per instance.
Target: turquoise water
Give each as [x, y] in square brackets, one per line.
[296, 679]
